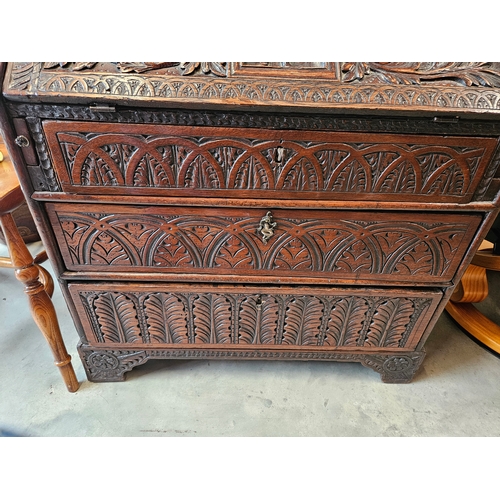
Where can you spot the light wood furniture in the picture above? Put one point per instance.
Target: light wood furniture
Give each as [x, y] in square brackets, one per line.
[38, 284]
[308, 211]
[473, 288]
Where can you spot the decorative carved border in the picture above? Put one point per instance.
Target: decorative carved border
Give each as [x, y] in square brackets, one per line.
[102, 365]
[417, 125]
[27, 79]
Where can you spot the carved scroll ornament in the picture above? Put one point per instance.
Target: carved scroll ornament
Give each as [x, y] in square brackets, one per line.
[187, 68]
[482, 74]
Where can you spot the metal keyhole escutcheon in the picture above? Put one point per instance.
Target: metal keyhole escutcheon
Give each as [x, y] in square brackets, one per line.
[266, 227]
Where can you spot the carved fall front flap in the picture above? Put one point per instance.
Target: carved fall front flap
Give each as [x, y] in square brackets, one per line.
[321, 245]
[209, 161]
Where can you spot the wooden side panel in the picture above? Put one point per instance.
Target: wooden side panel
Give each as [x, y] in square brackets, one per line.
[324, 318]
[342, 245]
[128, 159]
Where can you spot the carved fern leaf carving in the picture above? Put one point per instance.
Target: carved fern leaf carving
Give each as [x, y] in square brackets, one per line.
[96, 172]
[352, 178]
[200, 174]
[212, 319]
[121, 154]
[251, 175]
[389, 322]
[166, 319]
[301, 177]
[150, 173]
[303, 321]
[400, 320]
[346, 321]
[117, 317]
[258, 317]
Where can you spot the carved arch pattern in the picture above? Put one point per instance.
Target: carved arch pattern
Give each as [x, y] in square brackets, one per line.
[168, 162]
[339, 248]
[252, 319]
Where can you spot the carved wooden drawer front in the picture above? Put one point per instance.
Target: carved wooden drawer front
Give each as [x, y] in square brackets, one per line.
[273, 317]
[226, 243]
[108, 158]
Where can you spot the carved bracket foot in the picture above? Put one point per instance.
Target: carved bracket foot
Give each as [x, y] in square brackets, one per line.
[395, 369]
[109, 366]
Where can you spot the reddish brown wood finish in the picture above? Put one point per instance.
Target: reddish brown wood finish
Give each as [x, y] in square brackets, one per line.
[256, 163]
[319, 246]
[362, 189]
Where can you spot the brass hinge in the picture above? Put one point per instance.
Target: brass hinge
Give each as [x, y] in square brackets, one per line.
[102, 108]
[446, 119]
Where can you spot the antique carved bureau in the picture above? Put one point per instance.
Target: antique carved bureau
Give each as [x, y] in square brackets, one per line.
[309, 211]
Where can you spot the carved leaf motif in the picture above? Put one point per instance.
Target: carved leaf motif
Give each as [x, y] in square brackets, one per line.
[399, 180]
[301, 177]
[233, 253]
[251, 175]
[171, 252]
[78, 66]
[412, 73]
[216, 68]
[303, 321]
[226, 156]
[294, 255]
[212, 319]
[354, 71]
[346, 321]
[166, 319]
[150, 173]
[200, 174]
[451, 181]
[174, 156]
[73, 233]
[258, 317]
[352, 178]
[355, 258]
[448, 243]
[107, 251]
[121, 154]
[96, 172]
[141, 67]
[21, 76]
[416, 260]
[389, 322]
[330, 159]
[117, 318]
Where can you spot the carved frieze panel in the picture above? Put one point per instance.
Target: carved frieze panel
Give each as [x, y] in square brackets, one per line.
[207, 316]
[221, 161]
[325, 245]
[409, 85]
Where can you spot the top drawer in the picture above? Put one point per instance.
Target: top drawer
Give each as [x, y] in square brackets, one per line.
[165, 160]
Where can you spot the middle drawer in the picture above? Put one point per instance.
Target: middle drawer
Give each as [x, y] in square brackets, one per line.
[231, 244]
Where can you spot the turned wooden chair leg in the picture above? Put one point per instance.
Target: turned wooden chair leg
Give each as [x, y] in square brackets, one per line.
[41, 306]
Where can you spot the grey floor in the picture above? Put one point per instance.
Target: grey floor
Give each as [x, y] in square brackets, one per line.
[456, 392]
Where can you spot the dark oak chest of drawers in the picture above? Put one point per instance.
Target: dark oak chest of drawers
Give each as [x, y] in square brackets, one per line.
[257, 210]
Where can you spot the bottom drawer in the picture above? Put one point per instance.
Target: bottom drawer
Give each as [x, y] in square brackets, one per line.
[119, 315]
[124, 325]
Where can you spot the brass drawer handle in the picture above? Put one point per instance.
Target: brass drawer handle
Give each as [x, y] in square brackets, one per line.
[267, 226]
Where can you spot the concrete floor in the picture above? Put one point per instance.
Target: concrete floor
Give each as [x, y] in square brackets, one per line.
[456, 392]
